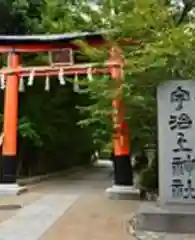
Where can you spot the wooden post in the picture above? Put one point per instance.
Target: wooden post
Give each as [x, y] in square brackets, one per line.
[9, 151]
[121, 144]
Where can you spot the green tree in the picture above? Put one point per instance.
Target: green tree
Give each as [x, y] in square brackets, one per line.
[161, 50]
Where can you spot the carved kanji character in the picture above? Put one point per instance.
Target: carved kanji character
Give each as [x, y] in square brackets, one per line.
[179, 96]
[183, 121]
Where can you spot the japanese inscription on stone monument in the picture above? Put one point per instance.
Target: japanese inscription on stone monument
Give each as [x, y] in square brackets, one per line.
[176, 124]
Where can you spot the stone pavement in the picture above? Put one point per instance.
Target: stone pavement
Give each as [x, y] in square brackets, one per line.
[72, 207]
[93, 218]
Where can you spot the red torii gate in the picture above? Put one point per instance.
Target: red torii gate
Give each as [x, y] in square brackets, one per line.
[13, 46]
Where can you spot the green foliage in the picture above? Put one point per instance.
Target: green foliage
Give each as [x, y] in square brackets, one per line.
[26, 130]
[98, 111]
[161, 50]
[148, 179]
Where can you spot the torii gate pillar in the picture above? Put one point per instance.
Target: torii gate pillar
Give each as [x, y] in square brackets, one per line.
[9, 162]
[123, 174]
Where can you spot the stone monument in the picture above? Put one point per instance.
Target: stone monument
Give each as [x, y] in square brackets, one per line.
[173, 216]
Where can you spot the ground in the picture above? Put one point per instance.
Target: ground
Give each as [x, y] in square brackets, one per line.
[71, 207]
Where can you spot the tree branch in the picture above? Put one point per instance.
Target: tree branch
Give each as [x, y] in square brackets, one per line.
[187, 8]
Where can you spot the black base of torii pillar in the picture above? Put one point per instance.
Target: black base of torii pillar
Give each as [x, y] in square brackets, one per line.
[123, 174]
[123, 187]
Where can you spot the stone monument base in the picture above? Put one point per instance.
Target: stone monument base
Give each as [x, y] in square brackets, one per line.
[167, 222]
[117, 192]
[11, 189]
